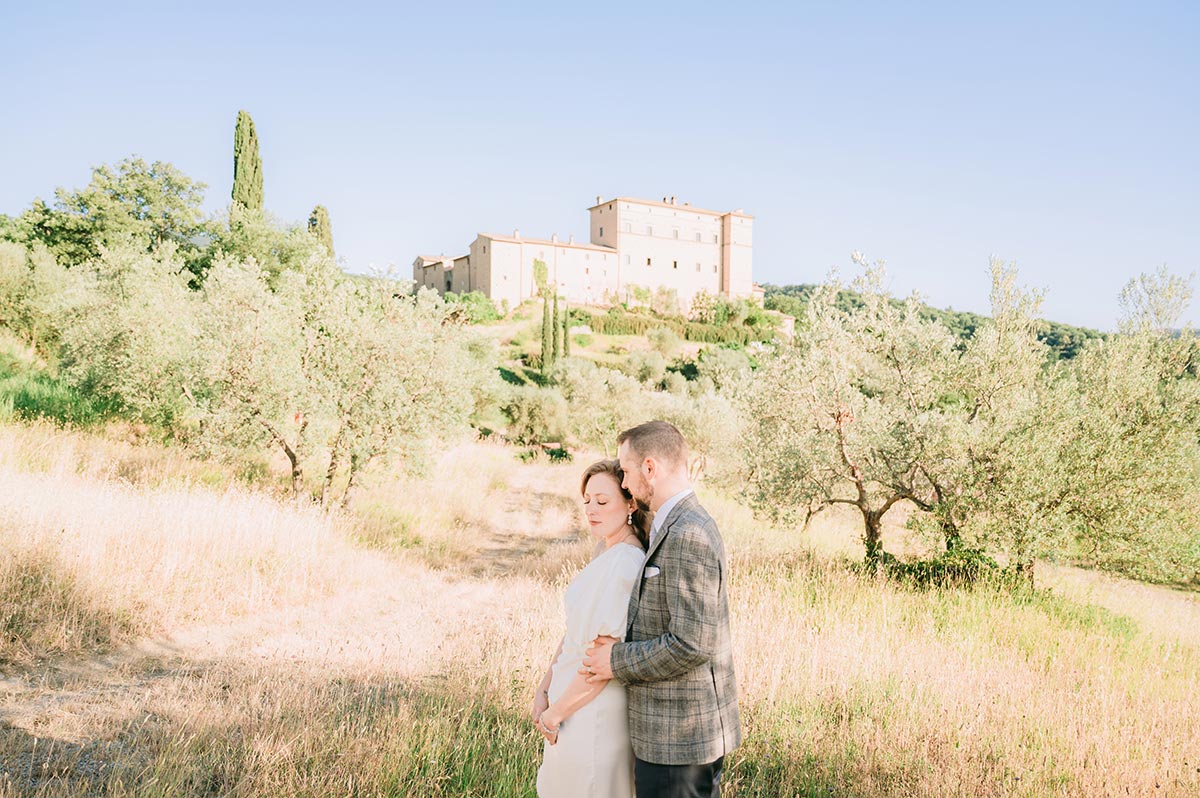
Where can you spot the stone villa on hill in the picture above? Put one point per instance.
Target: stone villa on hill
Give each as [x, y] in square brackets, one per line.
[633, 242]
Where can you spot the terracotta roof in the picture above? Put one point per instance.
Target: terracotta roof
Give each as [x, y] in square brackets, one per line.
[547, 242]
[676, 207]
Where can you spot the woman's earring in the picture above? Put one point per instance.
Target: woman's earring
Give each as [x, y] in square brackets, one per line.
[629, 520]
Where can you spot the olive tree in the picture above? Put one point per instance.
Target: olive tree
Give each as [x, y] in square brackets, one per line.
[127, 328]
[396, 373]
[600, 403]
[841, 415]
[874, 404]
[336, 373]
[1125, 478]
[261, 362]
[32, 289]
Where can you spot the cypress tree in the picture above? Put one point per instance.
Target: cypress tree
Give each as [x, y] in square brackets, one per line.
[556, 330]
[247, 166]
[547, 336]
[318, 225]
[566, 329]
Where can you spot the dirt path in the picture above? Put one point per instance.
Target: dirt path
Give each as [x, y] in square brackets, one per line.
[535, 529]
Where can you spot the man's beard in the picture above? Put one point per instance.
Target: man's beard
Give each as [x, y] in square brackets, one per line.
[645, 503]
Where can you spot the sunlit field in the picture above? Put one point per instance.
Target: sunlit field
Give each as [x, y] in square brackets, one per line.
[168, 631]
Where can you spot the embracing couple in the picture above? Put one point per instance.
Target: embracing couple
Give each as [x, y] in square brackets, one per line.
[640, 695]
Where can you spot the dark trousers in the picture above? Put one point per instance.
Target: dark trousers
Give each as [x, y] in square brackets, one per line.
[677, 781]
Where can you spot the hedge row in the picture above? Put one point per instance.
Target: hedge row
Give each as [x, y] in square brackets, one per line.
[638, 324]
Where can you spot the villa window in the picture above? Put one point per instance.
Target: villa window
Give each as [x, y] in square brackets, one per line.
[626, 260]
[697, 268]
[714, 238]
[676, 234]
[674, 264]
[714, 268]
[602, 232]
[626, 228]
[649, 230]
[697, 236]
[647, 261]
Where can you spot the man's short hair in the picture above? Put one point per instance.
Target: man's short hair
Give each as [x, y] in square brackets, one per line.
[657, 439]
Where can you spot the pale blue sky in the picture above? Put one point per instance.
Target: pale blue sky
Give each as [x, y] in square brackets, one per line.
[1062, 137]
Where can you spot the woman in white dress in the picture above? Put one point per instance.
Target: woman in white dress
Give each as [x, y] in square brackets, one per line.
[587, 753]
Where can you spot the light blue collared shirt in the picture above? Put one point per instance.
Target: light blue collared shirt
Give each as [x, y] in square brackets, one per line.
[660, 517]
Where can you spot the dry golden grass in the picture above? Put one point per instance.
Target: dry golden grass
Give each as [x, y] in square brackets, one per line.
[88, 557]
[315, 667]
[121, 454]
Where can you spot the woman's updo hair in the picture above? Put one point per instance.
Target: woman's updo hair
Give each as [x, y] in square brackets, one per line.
[641, 518]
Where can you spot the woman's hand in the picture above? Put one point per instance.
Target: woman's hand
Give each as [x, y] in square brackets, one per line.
[548, 725]
[540, 702]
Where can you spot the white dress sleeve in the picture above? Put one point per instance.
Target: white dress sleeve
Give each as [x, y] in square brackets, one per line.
[610, 611]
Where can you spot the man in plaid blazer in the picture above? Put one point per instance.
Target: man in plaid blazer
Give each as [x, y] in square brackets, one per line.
[677, 658]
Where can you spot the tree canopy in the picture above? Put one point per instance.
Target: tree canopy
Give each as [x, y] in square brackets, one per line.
[146, 205]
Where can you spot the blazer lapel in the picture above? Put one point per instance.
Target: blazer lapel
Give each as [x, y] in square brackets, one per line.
[635, 598]
[676, 511]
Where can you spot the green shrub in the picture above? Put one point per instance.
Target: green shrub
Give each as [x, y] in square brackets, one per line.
[675, 383]
[555, 454]
[37, 394]
[958, 567]
[725, 367]
[665, 341]
[536, 415]
[473, 306]
[646, 366]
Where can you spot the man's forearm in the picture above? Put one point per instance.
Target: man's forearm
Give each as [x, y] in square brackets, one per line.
[659, 659]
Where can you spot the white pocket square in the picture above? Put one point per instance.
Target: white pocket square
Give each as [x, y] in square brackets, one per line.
[651, 570]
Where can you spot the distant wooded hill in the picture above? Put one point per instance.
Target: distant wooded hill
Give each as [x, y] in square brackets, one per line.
[1064, 340]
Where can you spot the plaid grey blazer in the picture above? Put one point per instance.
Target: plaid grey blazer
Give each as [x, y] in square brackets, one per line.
[677, 658]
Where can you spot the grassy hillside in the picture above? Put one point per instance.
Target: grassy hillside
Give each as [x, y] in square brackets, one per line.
[167, 637]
